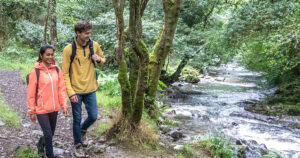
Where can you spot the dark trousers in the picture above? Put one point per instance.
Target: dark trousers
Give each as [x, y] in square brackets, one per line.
[90, 103]
[48, 124]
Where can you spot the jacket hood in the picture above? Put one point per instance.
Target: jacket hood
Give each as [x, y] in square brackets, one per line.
[41, 66]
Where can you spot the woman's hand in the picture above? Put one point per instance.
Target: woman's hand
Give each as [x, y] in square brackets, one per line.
[66, 112]
[33, 117]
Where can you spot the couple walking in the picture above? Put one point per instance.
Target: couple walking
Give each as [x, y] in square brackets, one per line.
[48, 84]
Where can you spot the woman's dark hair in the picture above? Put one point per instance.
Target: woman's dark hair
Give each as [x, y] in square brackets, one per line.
[43, 50]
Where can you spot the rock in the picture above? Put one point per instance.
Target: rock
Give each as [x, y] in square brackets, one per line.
[249, 153]
[165, 129]
[2, 123]
[37, 132]
[162, 144]
[201, 76]
[220, 79]
[100, 149]
[234, 124]
[102, 139]
[178, 147]
[58, 144]
[58, 151]
[183, 115]
[238, 142]
[176, 135]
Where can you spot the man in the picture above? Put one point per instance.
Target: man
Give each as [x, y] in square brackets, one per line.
[80, 79]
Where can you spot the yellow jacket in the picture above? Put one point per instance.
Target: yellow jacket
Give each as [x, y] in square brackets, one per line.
[82, 70]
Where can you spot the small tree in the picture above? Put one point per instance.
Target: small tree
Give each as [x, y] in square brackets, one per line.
[139, 78]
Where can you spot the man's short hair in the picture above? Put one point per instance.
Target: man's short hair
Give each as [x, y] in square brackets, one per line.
[82, 25]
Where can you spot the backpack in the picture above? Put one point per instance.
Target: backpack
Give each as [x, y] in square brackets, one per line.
[37, 72]
[90, 43]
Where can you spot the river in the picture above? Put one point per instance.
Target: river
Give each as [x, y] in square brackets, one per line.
[221, 109]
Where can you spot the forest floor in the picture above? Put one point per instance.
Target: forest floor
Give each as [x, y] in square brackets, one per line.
[13, 90]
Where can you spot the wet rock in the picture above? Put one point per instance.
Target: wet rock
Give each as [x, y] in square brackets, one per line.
[238, 142]
[165, 129]
[220, 79]
[178, 147]
[2, 123]
[205, 118]
[176, 135]
[249, 153]
[234, 124]
[184, 115]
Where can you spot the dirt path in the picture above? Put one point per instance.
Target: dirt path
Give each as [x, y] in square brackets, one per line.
[13, 92]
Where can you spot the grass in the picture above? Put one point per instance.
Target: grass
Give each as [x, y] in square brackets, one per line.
[186, 151]
[26, 152]
[10, 118]
[219, 146]
[172, 123]
[102, 128]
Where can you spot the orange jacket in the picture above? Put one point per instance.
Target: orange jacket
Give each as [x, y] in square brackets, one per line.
[51, 91]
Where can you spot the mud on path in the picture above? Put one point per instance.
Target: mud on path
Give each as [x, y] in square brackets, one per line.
[13, 91]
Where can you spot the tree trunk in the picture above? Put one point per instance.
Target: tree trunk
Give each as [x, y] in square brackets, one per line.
[53, 29]
[175, 76]
[123, 71]
[135, 86]
[160, 51]
[46, 23]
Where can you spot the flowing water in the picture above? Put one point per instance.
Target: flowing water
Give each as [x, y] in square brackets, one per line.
[221, 108]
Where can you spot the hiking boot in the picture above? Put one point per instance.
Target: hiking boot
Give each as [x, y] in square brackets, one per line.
[84, 138]
[79, 150]
[41, 146]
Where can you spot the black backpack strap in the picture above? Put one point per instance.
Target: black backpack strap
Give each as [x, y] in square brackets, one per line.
[90, 43]
[37, 71]
[57, 70]
[73, 52]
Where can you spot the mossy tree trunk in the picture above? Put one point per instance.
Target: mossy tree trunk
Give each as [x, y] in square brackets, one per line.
[160, 51]
[134, 76]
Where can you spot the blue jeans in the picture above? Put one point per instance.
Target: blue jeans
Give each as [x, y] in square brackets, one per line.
[91, 107]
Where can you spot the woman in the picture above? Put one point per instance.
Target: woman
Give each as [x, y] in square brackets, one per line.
[46, 94]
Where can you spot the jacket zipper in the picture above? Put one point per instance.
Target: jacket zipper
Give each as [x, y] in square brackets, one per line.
[52, 89]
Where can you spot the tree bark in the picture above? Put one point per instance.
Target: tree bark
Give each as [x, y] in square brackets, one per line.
[161, 50]
[175, 76]
[53, 29]
[46, 23]
[123, 71]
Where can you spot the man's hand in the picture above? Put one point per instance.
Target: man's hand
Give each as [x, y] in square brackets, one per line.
[96, 58]
[74, 99]
[66, 112]
[33, 117]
